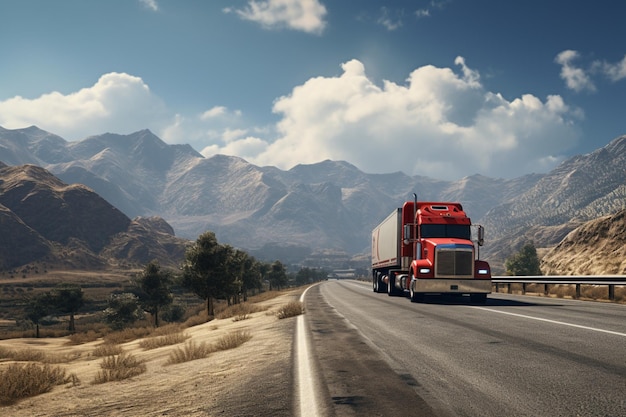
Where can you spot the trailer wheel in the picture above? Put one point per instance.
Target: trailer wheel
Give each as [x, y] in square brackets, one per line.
[377, 284]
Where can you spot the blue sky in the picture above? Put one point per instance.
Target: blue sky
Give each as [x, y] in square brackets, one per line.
[443, 88]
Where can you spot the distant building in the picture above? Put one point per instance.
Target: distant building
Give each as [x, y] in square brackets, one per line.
[343, 274]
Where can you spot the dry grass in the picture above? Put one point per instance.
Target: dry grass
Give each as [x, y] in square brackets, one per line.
[239, 312]
[189, 352]
[86, 337]
[21, 381]
[34, 355]
[107, 349]
[127, 335]
[119, 367]
[192, 351]
[165, 340]
[292, 309]
[233, 340]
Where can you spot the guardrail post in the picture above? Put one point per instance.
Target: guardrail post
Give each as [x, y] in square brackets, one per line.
[546, 289]
[523, 288]
[612, 292]
[577, 291]
[510, 289]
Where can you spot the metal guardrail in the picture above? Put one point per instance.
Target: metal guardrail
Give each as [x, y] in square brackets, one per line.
[547, 280]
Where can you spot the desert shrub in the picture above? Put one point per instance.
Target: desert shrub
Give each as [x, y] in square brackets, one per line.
[84, 337]
[197, 319]
[165, 340]
[127, 335]
[107, 349]
[562, 291]
[21, 381]
[188, 352]
[22, 355]
[119, 367]
[292, 309]
[240, 311]
[34, 355]
[232, 340]
[596, 292]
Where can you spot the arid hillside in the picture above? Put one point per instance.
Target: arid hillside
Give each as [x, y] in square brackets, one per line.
[596, 247]
[48, 222]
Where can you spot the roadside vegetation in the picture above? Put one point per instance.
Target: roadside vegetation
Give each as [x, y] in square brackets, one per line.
[191, 351]
[119, 367]
[21, 380]
[292, 309]
[153, 305]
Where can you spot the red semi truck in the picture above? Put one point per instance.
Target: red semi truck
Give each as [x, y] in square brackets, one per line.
[427, 248]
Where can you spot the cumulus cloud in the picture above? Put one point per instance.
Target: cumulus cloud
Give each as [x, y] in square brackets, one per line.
[303, 15]
[575, 78]
[116, 100]
[439, 123]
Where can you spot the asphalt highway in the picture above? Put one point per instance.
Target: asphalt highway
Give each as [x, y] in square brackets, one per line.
[376, 355]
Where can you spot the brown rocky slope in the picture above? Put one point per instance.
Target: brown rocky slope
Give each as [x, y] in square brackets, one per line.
[42, 219]
[596, 247]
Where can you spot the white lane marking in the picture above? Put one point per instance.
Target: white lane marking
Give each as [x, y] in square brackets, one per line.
[562, 323]
[305, 380]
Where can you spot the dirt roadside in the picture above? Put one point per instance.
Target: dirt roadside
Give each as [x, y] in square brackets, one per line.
[254, 379]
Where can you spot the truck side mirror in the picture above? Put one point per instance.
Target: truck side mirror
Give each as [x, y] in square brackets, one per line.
[481, 236]
[407, 234]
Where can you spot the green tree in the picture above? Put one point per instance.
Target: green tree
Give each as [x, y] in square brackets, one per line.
[525, 262]
[68, 299]
[154, 289]
[123, 310]
[252, 276]
[307, 275]
[37, 308]
[204, 269]
[277, 276]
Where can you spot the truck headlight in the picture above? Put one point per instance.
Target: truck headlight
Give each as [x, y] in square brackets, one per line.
[424, 271]
[483, 271]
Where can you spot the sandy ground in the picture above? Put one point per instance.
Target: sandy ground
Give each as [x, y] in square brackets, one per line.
[254, 379]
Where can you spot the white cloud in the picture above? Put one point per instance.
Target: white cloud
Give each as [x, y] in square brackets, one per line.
[418, 128]
[302, 15]
[150, 4]
[116, 101]
[440, 122]
[575, 78]
[615, 72]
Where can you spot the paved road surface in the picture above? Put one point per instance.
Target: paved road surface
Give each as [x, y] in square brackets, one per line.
[377, 355]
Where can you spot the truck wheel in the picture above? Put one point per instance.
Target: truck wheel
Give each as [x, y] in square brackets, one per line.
[415, 297]
[382, 287]
[391, 286]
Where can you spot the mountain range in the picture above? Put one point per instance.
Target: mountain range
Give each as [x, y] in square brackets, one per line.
[330, 206]
[45, 221]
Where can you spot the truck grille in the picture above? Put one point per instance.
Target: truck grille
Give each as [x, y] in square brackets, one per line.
[454, 262]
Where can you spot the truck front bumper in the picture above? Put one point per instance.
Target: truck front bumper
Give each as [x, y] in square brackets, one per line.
[451, 286]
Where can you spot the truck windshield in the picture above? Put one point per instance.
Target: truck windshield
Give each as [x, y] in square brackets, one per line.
[461, 231]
